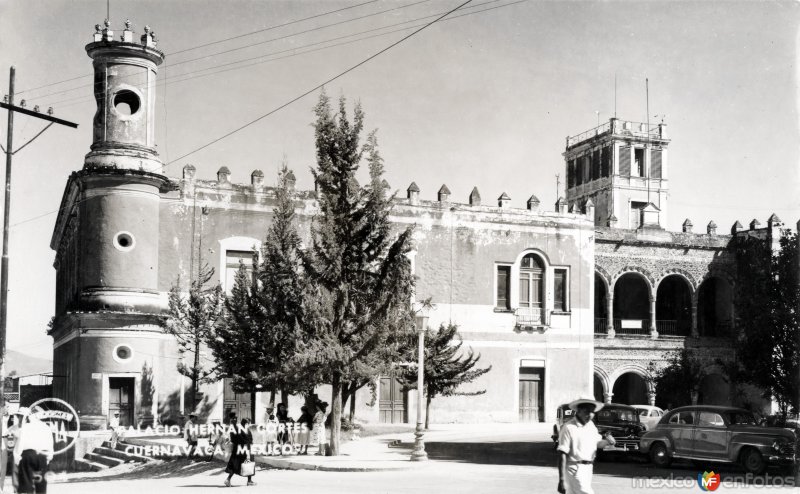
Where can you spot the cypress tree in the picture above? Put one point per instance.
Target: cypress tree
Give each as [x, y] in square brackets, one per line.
[356, 262]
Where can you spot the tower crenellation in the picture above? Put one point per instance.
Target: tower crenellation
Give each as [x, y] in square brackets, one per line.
[125, 92]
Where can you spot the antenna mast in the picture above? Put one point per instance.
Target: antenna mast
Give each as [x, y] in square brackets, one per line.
[558, 186]
[647, 146]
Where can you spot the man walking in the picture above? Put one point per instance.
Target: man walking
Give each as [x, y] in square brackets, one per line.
[190, 434]
[578, 442]
[32, 453]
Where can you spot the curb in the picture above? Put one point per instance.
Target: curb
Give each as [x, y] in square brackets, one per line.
[297, 465]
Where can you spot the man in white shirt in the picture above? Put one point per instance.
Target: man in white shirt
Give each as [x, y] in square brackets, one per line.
[190, 434]
[32, 453]
[578, 442]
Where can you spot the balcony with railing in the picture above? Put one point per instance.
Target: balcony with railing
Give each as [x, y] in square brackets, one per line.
[530, 319]
[623, 128]
[635, 327]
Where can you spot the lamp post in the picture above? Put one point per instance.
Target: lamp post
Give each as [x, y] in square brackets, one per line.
[419, 454]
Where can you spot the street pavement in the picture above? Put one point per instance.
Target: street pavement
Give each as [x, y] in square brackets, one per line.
[504, 458]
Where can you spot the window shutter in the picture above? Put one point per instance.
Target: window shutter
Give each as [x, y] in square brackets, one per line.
[625, 161]
[655, 163]
[503, 278]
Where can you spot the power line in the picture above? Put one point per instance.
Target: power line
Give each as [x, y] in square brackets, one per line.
[315, 88]
[217, 42]
[270, 28]
[173, 79]
[305, 94]
[258, 43]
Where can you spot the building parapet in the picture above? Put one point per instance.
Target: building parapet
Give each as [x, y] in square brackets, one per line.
[229, 193]
[666, 238]
[622, 129]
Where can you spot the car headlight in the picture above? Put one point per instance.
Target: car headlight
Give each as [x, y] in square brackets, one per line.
[778, 445]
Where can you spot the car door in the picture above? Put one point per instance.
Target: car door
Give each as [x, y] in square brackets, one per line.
[711, 436]
[681, 427]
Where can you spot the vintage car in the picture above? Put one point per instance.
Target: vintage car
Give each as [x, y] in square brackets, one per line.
[718, 434]
[622, 421]
[563, 413]
[649, 415]
[790, 421]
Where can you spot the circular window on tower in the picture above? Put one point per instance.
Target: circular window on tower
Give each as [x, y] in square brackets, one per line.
[123, 353]
[124, 241]
[126, 102]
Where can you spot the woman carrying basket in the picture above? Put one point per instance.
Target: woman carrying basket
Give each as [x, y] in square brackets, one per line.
[241, 460]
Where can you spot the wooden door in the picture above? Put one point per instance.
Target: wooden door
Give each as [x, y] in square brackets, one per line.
[237, 403]
[120, 399]
[531, 395]
[392, 403]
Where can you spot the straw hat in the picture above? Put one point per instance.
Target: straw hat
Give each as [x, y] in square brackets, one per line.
[584, 399]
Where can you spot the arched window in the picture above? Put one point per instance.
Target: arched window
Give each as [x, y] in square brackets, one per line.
[531, 284]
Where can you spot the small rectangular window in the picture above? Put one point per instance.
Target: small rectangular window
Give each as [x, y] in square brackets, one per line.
[233, 258]
[638, 159]
[560, 290]
[503, 287]
[636, 213]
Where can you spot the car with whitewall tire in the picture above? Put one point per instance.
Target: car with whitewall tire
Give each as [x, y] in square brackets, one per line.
[718, 434]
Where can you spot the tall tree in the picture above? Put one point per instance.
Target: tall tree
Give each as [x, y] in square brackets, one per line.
[255, 342]
[767, 297]
[446, 367]
[191, 320]
[356, 262]
[678, 379]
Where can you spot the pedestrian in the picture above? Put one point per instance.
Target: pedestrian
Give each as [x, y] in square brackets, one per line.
[10, 436]
[215, 439]
[306, 424]
[190, 434]
[113, 424]
[241, 453]
[32, 453]
[578, 442]
[283, 428]
[318, 433]
[271, 432]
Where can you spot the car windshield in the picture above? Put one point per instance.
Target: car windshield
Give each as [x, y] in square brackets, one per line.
[642, 412]
[741, 418]
[610, 415]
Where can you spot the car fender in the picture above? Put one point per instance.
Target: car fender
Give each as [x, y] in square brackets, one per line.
[761, 442]
[654, 436]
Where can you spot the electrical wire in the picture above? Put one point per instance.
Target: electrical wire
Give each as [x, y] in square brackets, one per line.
[258, 43]
[173, 79]
[295, 99]
[215, 42]
[319, 86]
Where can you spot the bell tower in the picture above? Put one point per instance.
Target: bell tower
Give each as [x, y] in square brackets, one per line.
[125, 90]
[107, 334]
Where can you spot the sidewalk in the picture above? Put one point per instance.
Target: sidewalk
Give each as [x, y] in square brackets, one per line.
[374, 453]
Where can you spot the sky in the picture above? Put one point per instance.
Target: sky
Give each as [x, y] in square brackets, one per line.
[486, 99]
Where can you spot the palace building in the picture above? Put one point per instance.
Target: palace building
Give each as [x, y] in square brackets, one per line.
[559, 300]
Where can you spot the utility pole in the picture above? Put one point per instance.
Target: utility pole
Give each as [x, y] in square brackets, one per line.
[10, 152]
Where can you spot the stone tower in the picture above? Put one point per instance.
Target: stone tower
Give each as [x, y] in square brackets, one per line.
[622, 167]
[107, 333]
[125, 90]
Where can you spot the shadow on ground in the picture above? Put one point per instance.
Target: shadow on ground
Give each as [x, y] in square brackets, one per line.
[632, 466]
[155, 470]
